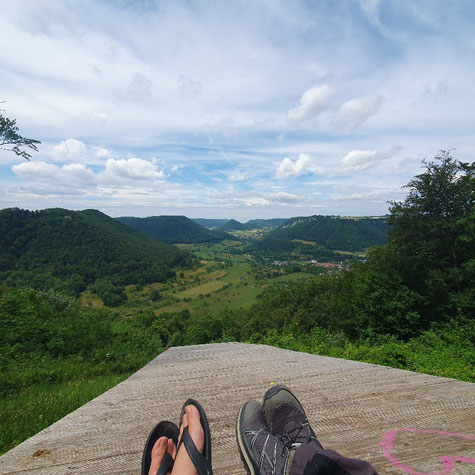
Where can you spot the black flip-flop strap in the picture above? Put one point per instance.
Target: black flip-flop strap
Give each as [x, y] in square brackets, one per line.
[200, 462]
[166, 465]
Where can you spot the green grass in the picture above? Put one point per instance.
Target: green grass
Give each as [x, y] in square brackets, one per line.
[446, 353]
[42, 404]
[231, 287]
[209, 287]
[355, 253]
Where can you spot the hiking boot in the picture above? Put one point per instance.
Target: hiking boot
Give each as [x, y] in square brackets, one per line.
[286, 418]
[261, 452]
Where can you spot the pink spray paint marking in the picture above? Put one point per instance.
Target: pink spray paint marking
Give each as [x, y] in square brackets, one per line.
[387, 443]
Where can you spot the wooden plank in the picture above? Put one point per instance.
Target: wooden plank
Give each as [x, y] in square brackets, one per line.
[402, 422]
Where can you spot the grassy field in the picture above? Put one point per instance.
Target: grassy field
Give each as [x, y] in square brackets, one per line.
[223, 280]
[351, 253]
[37, 407]
[311, 243]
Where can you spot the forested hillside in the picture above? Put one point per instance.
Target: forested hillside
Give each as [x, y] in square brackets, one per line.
[343, 234]
[248, 225]
[209, 222]
[69, 250]
[174, 229]
[265, 223]
[232, 225]
[280, 248]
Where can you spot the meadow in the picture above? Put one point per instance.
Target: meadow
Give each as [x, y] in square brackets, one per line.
[222, 280]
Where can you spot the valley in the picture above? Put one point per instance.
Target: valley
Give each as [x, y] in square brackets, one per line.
[225, 276]
[86, 300]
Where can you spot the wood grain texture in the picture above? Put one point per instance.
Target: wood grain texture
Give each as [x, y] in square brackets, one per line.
[355, 408]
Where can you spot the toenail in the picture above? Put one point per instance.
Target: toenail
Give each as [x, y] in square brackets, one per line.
[163, 442]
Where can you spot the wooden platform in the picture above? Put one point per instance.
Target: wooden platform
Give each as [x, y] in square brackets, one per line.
[400, 421]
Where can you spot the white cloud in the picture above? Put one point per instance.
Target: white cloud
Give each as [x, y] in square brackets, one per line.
[214, 105]
[374, 195]
[314, 101]
[284, 197]
[47, 178]
[354, 112]
[103, 153]
[256, 202]
[132, 169]
[66, 175]
[300, 166]
[358, 160]
[69, 149]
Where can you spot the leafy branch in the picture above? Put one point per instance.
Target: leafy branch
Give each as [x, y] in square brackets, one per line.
[9, 136]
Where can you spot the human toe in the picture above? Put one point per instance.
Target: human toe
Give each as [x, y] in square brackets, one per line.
[158, 452]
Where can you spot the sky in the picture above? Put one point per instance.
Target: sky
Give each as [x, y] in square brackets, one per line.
[244, 109]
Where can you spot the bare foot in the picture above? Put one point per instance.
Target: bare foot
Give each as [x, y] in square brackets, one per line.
[161, 447]
[191, 419]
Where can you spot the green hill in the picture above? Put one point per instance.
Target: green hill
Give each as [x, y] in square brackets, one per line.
[209, 222]
[232, 225]
[342, 234]
[69, 250]
[174, 229]
[265, 223]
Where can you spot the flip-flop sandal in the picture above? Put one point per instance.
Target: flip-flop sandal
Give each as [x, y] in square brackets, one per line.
[202, 461]
[162, 429]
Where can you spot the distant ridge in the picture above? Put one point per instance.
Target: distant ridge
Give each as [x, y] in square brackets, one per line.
[264, 223]
[345, 234]
[209, 222]
[232, 225]
[175, 229]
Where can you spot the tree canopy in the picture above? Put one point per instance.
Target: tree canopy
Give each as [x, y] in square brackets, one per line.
[175, 229]
[431, 221]
[69, 250]
[352, 234]
[431, 246]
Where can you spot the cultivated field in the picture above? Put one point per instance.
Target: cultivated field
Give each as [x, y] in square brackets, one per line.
[222, 280]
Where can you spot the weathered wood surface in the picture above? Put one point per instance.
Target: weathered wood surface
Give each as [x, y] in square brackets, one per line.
[355, 408]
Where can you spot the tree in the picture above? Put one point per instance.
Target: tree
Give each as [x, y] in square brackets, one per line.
[430, 239]
[154, 295]
[430, 221]
[9, 136]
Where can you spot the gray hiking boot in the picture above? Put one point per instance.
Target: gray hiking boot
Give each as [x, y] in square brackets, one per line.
[261, 452]
[286, 418]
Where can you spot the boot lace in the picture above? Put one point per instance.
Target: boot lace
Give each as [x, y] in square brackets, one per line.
[290, 439]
